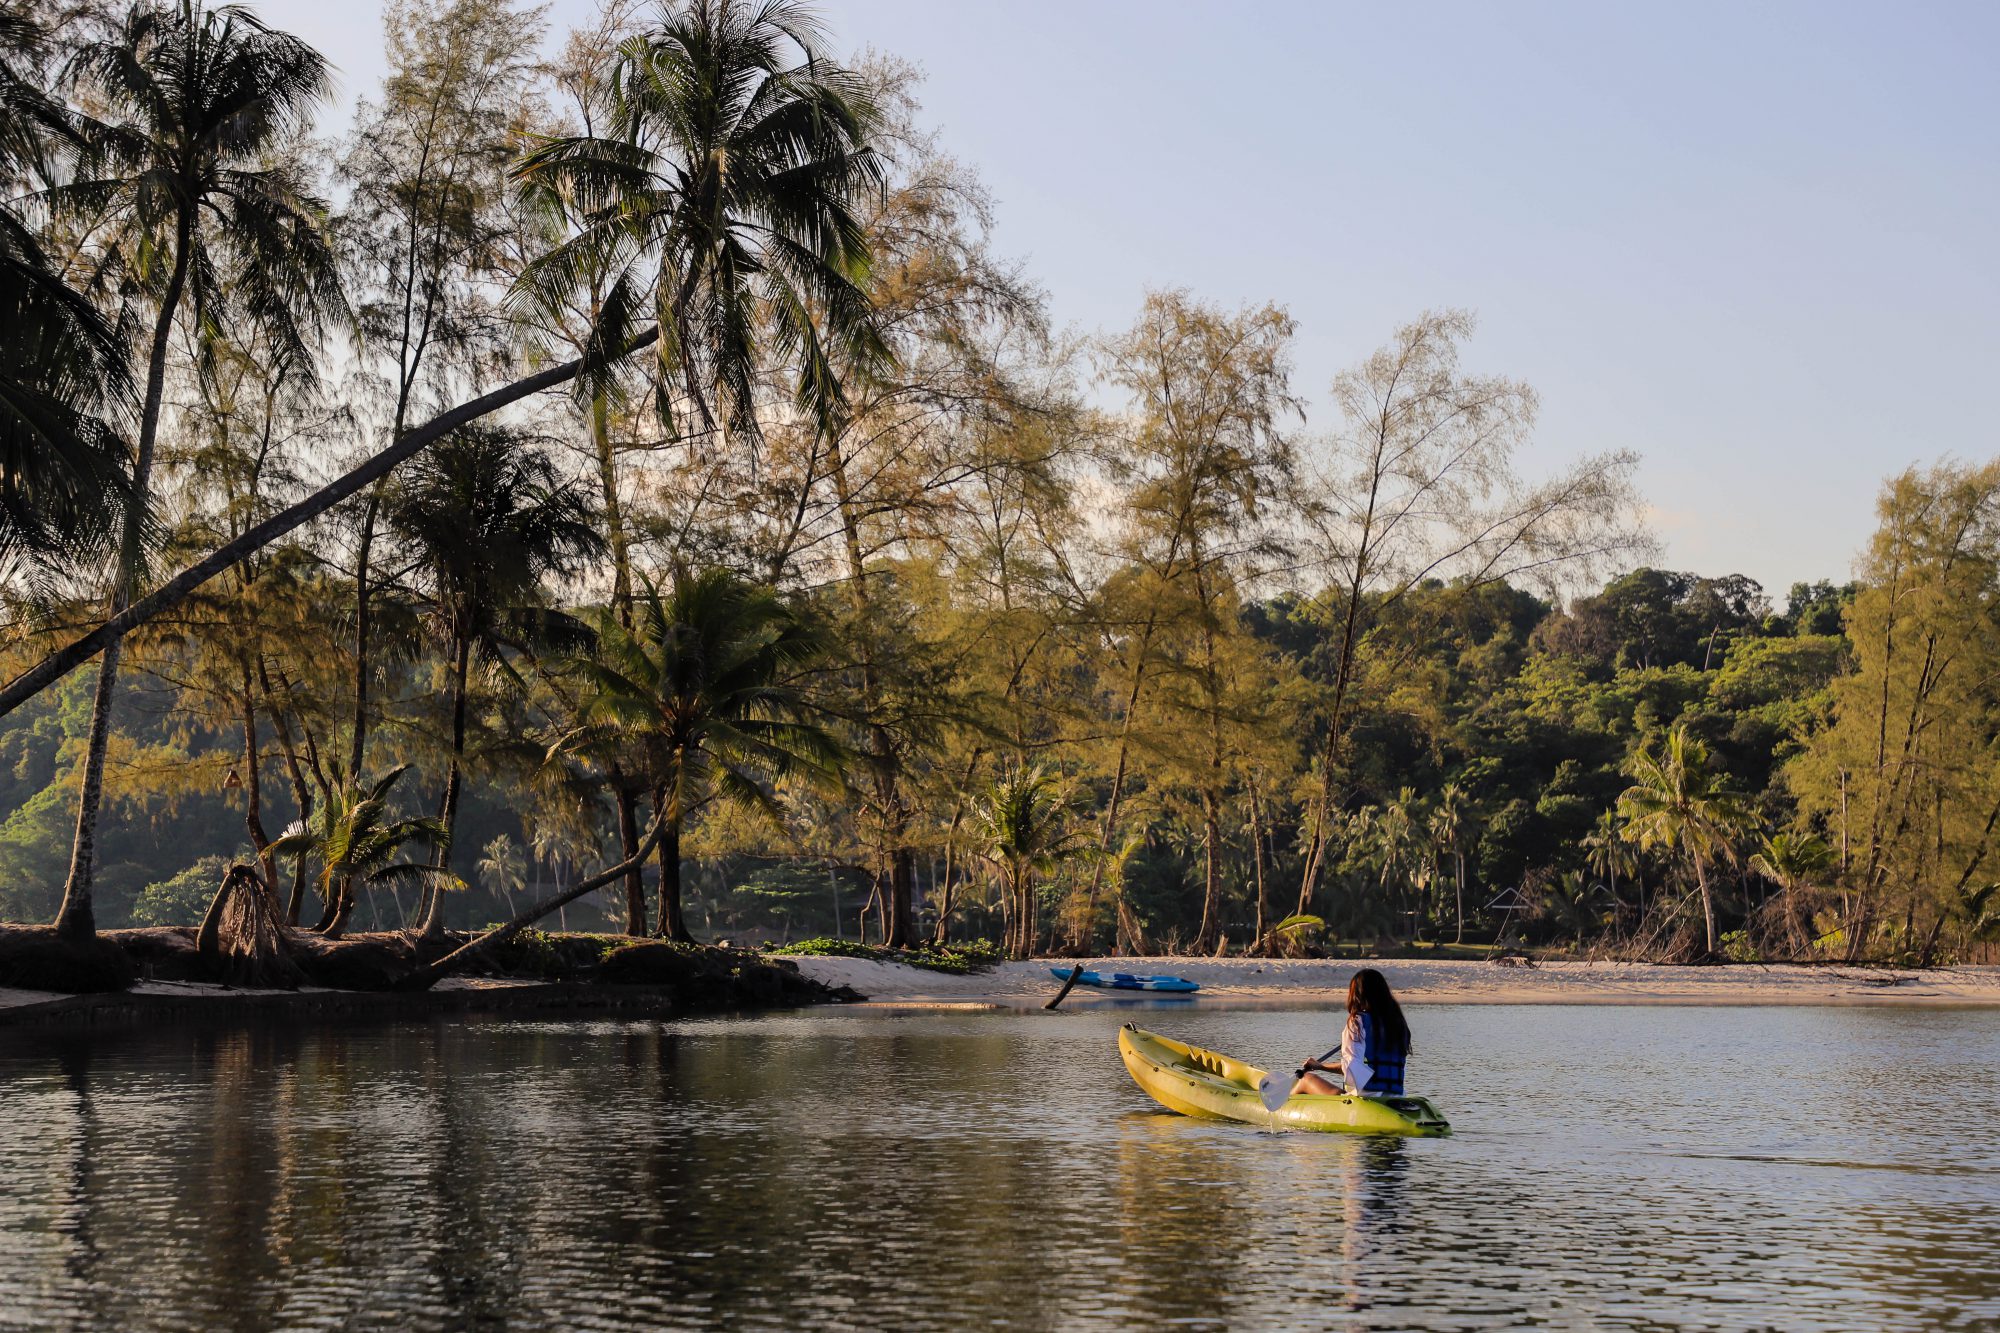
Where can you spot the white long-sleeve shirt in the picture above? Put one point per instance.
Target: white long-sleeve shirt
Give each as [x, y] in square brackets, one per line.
[1353, 1053]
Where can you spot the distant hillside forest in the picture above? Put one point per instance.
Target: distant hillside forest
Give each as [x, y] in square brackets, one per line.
[640, 463]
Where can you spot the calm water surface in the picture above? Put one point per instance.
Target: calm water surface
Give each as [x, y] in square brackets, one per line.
[1613, 1168]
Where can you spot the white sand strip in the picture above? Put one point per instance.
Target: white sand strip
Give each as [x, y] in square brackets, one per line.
[1434, 981]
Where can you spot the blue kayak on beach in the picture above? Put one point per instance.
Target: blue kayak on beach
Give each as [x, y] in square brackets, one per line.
[1126, 981]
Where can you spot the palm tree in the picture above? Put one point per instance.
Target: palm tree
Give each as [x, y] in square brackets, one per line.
[353, 837]
[504, 866]
[490, 520]
[707, 686]
[1450, 827]
[1574, 905]
[1029, 829]
[1678, 803]
[719, 203]
[1607, 853]
[1792, 861]
[63, 471]
[1977, 906]
[195, 101]
[1394, 837]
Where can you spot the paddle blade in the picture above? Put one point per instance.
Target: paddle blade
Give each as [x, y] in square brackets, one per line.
[1274, 1090]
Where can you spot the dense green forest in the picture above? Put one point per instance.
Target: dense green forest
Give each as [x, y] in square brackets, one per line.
[640, 462]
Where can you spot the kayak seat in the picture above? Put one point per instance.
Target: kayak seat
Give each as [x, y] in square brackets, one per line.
[1203, 1063]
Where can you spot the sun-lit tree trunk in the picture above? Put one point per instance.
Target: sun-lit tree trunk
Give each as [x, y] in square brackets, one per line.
[628, 842]
[942, 887]
[673, 920]
[77, 918]
[1257, 861]
[433, 914]
[891, 806]
[1458, 875]
[1081, 938]
[1022, 931]
[253, 784]
[1209, 938]
[1707, 905]
[357, 753]
[1322, 803]
[301, 794]
[625, 791]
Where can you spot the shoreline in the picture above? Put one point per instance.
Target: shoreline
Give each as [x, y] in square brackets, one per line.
[1239, 983]
[1262, 982]
[176, 1001]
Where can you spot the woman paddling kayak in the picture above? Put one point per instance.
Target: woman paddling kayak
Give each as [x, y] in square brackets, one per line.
[1373, 1045]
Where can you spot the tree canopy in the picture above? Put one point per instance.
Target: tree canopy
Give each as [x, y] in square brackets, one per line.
[650, 451]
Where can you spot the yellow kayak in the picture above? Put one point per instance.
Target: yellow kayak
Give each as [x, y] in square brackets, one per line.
[1214, 1087]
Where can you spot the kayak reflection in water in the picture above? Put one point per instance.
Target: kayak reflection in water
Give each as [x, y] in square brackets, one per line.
[1373, 1045]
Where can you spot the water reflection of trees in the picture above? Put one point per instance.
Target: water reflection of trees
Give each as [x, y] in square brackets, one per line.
[76, 1214]
[1253, 1228]
[840, 1171]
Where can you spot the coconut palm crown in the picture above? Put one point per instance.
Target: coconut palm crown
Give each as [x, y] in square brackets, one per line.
[63, 469]
[721, 203]
[708, 686]
[355, 838]
[1679, 802]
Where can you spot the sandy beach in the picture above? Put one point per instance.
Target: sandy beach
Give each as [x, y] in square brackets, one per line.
[1234, 981]
[1268, 981]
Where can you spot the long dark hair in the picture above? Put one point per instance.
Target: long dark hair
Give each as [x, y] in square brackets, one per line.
[1369, 994]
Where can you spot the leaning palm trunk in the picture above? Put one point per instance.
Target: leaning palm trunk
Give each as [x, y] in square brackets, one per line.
[339, 910]
[478, 946]
[255, 538]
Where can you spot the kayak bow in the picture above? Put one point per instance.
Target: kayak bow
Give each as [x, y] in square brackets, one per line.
[1202, 1083]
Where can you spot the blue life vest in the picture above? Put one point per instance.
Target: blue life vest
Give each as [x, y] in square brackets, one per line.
[1385, 1061]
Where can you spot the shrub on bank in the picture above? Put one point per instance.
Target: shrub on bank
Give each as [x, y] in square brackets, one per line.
[552, 956]
[695, 976]
[957, 959]
[705, 978]
[34, 958]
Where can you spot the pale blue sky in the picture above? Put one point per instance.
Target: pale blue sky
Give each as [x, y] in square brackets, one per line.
[1755, 243]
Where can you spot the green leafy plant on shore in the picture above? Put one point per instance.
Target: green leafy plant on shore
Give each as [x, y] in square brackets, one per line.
[957, 959]
[553, 955]
[180, 899]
